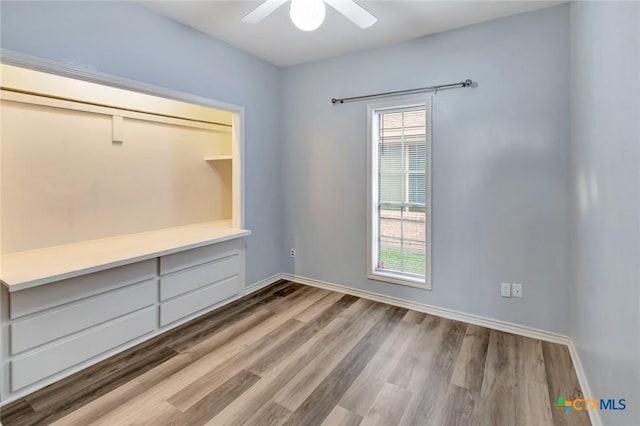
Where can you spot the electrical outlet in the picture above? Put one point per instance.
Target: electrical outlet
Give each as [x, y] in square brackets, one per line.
[516, 290]
[293, 252]
[505, 290]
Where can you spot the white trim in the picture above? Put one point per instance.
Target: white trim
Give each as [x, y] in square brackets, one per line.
[237, 169]
[372, 201]
[23, 60]
[259, 285]
[70, 371]
[494, 324]
[37, 63]
[520, 330]
[594, 415]
[113, 352]
[390, 277]
[420, 307]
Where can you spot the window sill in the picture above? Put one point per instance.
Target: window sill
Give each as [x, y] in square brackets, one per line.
[399, 279]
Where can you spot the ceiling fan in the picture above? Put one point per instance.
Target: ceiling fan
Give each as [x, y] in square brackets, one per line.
[308, 15]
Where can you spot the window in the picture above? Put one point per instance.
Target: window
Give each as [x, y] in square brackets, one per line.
[399, 199]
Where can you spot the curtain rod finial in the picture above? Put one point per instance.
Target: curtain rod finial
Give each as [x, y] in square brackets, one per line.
[468, 83]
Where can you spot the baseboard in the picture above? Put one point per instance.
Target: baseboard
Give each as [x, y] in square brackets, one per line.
[594, 415]
[442, 312]
[508, 327]
[494, 324]
[262, 284]
[72, 370]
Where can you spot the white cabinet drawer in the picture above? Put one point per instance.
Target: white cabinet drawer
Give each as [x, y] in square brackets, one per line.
[189, 258]
[200, 276]
[191, 303]
[66, 353]
[48, 296]
[71, 318]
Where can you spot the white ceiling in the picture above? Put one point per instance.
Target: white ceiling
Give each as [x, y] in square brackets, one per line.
[278, 41]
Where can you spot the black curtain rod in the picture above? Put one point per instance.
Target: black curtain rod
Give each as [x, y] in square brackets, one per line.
[465, 83]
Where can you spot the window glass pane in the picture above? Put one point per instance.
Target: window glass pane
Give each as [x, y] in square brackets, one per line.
[392, 187]
[402, 191]
[390, 157]
[413, 231]
[417, 188]
[417, 158]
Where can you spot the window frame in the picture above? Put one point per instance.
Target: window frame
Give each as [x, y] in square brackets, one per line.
[372, 192]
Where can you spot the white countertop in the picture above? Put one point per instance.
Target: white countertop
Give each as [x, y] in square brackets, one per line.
[22, 270]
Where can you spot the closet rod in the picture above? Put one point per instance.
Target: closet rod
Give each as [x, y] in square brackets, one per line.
[465, 83]
[157, 114]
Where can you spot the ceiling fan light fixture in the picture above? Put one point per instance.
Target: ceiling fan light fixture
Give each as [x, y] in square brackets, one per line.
[307, 15]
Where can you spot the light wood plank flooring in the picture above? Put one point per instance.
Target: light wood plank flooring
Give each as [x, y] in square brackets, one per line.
[296, 355]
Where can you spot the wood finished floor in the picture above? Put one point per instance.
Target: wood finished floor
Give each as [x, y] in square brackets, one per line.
[296, 355]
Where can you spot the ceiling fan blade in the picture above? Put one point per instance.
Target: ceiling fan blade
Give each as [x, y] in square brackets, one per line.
[354, 12]
[262, 11]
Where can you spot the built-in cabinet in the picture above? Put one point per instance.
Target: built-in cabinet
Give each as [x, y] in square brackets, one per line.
[54, 329]
[186, 284]
[120, 217]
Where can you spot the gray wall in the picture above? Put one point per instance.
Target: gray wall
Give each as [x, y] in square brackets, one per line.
[500, 166]
[128, 40]
[605, 168]
[501, 154]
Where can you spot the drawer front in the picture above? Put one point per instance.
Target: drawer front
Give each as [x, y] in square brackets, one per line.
[191, 303]
[34, 331]
[200, 276]
[48, 296]
[189, 258]
[54, 359]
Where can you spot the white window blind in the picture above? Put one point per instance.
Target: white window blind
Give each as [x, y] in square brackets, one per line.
[400, 159]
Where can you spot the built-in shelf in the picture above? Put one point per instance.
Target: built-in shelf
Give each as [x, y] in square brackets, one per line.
[22, 270]
[219, 158]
